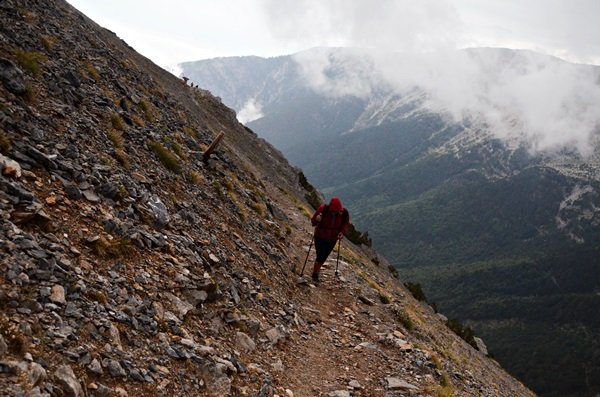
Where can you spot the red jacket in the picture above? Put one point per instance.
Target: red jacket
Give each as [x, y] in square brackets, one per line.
[331, 224]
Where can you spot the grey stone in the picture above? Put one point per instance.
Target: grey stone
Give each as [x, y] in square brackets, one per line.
[73, 78]
[57, 294]
[399, 384]
[160, 212]
[354, 384]
[366, 300]
[91, 196]
[15, 189]
[339, 393]
[40, 157]
[278, 366]
[95, 367]
[9, 167]
[115, 369]
[481, 346]
[67, 381]
[253, 326]
[72, 191]
[109, 190]
[274, 335]
[196, 297]
[102, 391]
[244, 342]
[35, 374]
[12, 77]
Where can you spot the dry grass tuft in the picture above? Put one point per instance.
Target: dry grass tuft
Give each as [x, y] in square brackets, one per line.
[122, 158]
[404, 318]
[165, 156]
[48, 42]
[146, 109]
[446, 388]
[196, 178]
[304, 211]
[115, 248]
[5, 143]
[91, 71]
[117, 122]
[116, 138]
[179, 151]
[137, 120]
[31, 61]
[259, 208]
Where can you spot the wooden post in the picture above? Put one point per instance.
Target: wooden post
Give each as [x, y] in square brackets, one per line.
[212, 147]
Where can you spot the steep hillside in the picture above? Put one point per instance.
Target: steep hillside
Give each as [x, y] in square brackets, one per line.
[129, 266]
[496, 233]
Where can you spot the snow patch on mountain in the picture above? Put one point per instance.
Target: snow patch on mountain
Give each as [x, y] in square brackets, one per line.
[390, 107]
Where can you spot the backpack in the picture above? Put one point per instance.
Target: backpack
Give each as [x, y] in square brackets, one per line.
[344, 214]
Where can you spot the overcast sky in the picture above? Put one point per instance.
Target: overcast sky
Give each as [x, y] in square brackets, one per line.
[170, 32]
[550, 104]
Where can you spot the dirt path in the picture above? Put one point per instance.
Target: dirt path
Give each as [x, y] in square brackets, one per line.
[325, 352]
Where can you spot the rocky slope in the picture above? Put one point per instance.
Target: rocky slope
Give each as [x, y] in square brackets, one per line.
[129, 266]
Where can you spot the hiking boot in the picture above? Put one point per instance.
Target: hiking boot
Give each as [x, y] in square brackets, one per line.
[315, 277]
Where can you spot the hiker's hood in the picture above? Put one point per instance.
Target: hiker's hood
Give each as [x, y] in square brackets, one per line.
[335, 205]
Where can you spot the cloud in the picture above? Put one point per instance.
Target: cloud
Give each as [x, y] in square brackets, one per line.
[547, 103]
[251, 111]
[539, 100]
[338, 72]
[401, 25]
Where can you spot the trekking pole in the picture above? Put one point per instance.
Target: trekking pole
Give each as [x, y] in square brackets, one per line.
[307, 254]
[338, 257]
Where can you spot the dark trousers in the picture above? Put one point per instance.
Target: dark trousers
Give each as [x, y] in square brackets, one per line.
[323, 249]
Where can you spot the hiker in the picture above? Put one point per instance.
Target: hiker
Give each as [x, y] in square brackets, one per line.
[331, 222]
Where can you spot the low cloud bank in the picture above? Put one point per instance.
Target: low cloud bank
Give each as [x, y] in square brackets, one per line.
[547, 103]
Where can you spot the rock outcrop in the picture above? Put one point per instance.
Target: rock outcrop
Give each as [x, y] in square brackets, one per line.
[129, 266]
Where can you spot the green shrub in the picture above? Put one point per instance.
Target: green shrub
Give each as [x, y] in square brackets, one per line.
[312, 195]
[313, 199]
[167, 158]
[416, 291]
[219, 189]
[357, 237]
[385, 298]
[465, 333]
